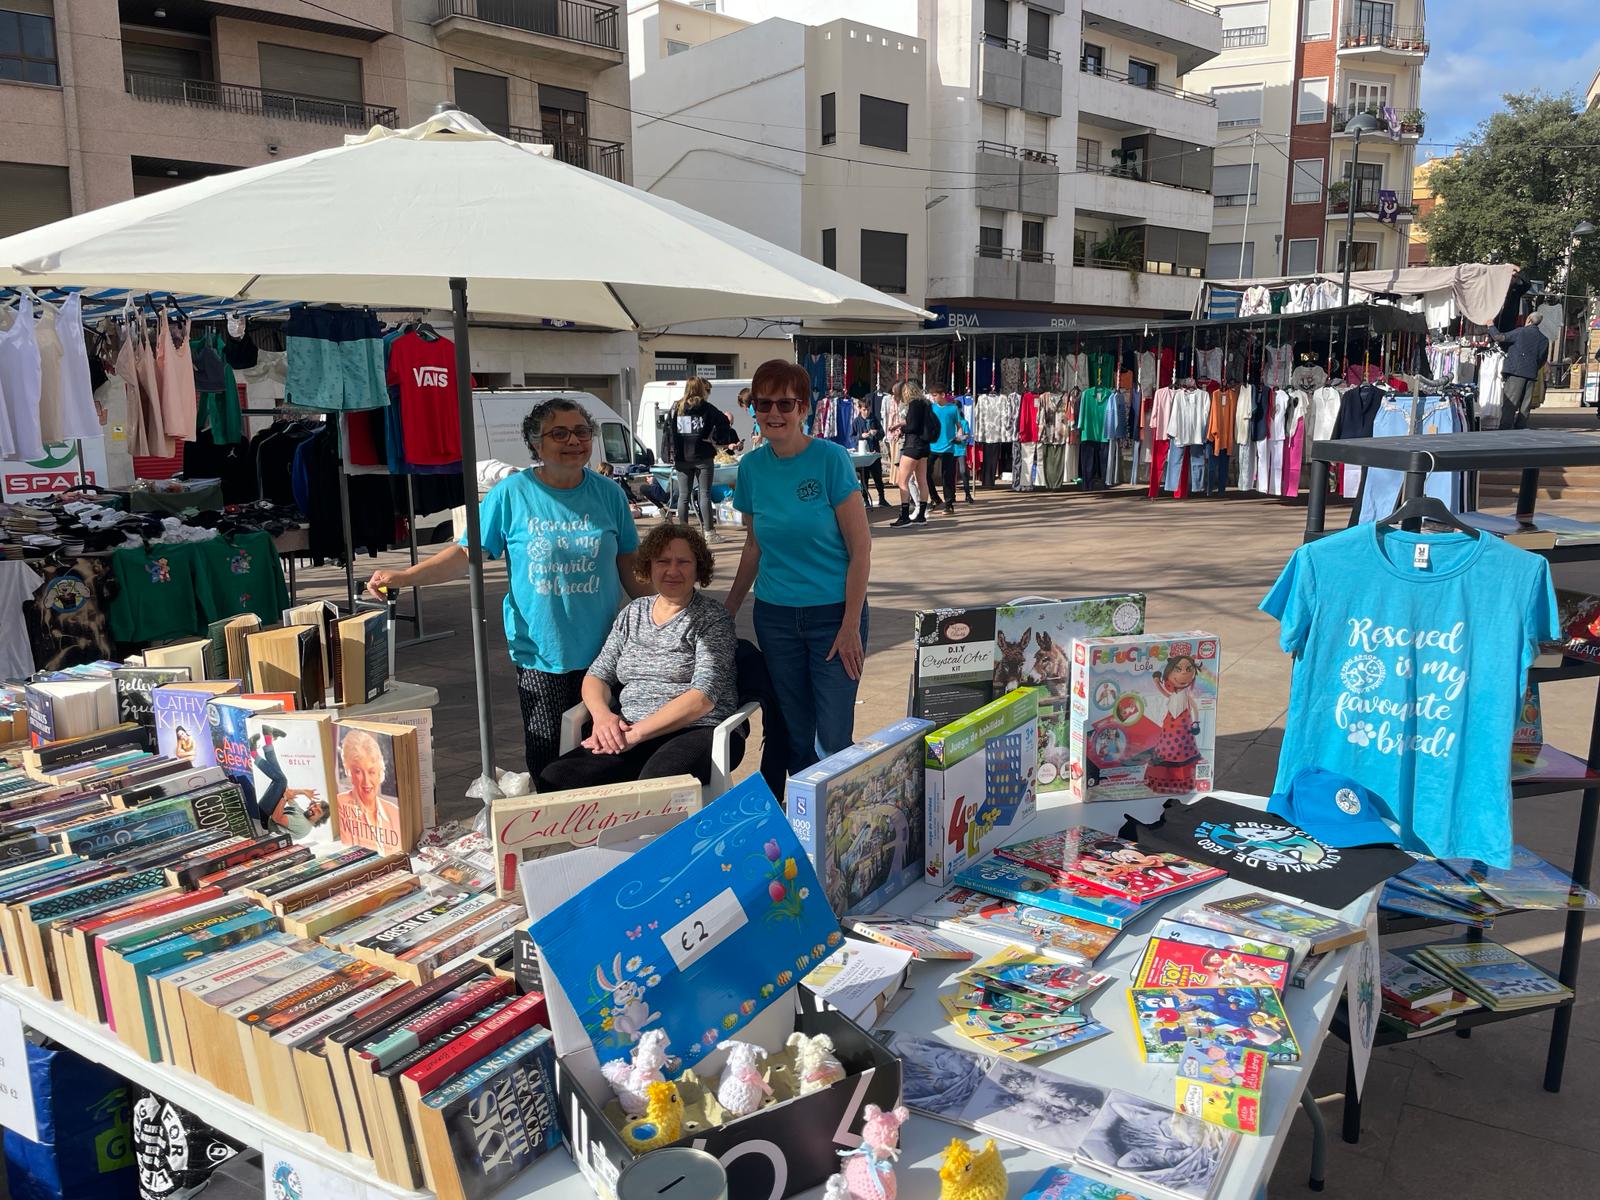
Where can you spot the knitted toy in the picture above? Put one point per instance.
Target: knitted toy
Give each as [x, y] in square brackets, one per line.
[835, 1189]
[662, 1121]
[968, 1176]
[815, 1065]
[869, 1168]
[741, 1088]
[630, 1081]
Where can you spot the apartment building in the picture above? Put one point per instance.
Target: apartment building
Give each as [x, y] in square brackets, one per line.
[109, 99]
[1050, 164]
[1291, 75]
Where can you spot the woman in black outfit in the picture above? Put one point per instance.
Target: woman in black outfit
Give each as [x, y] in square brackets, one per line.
[867, 433]
[917, 420]
[698, 429]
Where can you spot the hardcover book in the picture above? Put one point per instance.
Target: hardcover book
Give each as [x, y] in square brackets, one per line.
[289, 660]
[1252, 1017]
[980, 776]
[968, 657]
[134, 687]
[484, 1127]
[1144, 715]
[997, 877]
[380, 790]
[292, 757]
[1110, 864]
[528, 827]
[860, 816]
[183, 729]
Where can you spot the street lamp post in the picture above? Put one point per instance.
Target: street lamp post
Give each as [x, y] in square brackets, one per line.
[1362, 122]
[1579, 230]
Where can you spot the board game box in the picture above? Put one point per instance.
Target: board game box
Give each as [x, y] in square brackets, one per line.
[967, 657]
[860, 816]
[981, 773]
[1144, 716]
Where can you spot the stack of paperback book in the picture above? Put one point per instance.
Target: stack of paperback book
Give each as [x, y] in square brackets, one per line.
[1415, 1000]
[1021, 1005]
[1487, 972]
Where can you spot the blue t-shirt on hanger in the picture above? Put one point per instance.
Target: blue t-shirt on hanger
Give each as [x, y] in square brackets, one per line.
[1411, 653]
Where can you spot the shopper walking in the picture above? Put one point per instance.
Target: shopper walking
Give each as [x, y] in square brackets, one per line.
[867, 433]
[699, 429]
[918, 429]
[809, 554]
[1526, 347]
[569, 545]
[951, 444]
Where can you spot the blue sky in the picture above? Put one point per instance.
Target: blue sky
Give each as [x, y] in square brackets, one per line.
[1481, 49]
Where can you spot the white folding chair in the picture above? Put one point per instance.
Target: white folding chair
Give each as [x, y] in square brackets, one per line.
[575, 727]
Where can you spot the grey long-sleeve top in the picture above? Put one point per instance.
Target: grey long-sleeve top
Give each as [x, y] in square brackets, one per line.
[650, 665]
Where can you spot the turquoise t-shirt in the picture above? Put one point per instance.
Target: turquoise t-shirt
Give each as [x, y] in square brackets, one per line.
[803, 555]
[561, 547]
[1410, 657]
[949, 418]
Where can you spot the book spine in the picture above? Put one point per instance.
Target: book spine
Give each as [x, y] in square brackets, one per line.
[516, 1018]
[272, 864]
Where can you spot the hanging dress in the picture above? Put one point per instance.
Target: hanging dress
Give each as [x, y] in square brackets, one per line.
[175, 365]
[156, 442]
[19, 381]
[79, 417]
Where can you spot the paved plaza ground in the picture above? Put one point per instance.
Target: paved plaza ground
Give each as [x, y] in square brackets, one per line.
[1445, 1116]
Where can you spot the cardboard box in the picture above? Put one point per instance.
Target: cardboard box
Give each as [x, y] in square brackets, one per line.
[860, 813]
[967, 657]
[1144, 715]
[981, 773]
[777, 1151]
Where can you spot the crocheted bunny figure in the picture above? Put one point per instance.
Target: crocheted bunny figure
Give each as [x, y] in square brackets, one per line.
[835, 1189]
[869, 1168]
[629, 1081]
[815, 1064]
[742, 1089]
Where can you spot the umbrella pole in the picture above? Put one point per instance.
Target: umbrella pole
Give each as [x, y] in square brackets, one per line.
[486, 788]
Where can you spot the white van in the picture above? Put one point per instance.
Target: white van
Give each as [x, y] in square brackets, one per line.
[499, 416]
[655, 406]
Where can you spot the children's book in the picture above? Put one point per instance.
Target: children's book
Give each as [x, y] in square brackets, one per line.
[1529, 882]
[1221, 1084]
[1179, 930]
[963, 910]
[925, 944]
[1058, 1183]
[1408, 985]
[1016, 969]
[1246, 932]
[1122, 869]
[980, 776]
[1144, 715]
[1488, 972]
[1269, 912]
[1185, 965]
[1433, 879]
[860, 815]
[1167, 1018]
[997, 877]
[1403, 900]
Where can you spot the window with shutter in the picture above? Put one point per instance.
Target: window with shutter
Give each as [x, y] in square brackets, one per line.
[34, 195]
[1307, 187]
[487, 97]
[1233, 185]
[1244, 25]
[830, 249]
[883, 260]
[1316, 22]
[1311, 108]
[830, 129]
[883, 123]
[292, 71]
[1302, 256]
[1231, 260]
[1238, 105]
[28, 42]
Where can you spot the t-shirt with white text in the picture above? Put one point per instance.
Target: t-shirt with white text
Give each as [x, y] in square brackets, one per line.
[1410, 656]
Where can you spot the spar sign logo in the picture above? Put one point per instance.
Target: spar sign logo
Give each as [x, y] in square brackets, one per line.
[64, 465]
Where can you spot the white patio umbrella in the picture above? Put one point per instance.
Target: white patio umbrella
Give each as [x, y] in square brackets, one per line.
[409, 219]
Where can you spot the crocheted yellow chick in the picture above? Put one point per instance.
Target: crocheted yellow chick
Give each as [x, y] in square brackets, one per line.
[968, 1176]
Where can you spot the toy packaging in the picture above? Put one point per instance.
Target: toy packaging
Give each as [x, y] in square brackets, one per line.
[1221, 1084]
[981, 772]
[1144, 716]
[967, 657]
[859, 814]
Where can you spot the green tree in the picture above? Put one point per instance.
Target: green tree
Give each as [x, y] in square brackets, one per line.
[1531, 174]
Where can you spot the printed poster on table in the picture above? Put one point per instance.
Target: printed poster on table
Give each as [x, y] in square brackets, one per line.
[1363, 1000]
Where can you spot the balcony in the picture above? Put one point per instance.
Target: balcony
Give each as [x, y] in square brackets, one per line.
[1114, 286]
[1382, 42]
[1239, 39]
[253, 101]
[1123, 193]
[1019, 75]
[1017, 180]
[603, 158]
[1112, 100]
[1187, 29]
[579, 32]
[1003, 273]
[1412, 123]
[1367, 201]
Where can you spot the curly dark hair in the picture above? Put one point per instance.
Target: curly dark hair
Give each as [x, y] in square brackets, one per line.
[655, 543]
[533, 423]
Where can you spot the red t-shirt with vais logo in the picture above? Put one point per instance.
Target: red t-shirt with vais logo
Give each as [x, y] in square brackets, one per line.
[425, 373]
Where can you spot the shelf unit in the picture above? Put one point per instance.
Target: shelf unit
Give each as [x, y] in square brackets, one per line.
[1527, 451]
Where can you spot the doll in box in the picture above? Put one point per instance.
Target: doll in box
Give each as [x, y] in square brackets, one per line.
[1172, 759]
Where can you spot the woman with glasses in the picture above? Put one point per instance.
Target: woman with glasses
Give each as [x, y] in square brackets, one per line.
[569, 544]
[809, 554]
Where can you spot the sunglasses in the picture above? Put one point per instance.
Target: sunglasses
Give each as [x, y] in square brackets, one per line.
[563, 434]
[785, 405]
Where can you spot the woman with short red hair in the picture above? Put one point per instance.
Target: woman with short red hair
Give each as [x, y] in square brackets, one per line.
[809, 554]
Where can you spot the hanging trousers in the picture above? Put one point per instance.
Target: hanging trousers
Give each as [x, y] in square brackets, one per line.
[1092, 465]
[1216, 471]
[1269, 466]
[1053, 461]
[1158, 462]
[1294, 451]
[1027, 456]
[1243, 455]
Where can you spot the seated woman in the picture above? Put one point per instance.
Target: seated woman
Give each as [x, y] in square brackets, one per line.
[670, 662]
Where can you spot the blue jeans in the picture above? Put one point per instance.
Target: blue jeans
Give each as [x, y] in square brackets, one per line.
[817, 698]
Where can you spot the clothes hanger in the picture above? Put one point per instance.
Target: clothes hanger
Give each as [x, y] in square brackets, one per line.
[1428, 508]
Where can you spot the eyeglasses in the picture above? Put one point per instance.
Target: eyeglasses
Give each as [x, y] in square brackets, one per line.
[563, 434]
[766, 404]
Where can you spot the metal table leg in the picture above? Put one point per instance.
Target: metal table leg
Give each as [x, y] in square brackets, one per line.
[1319, 1141]
[1352, 1101]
